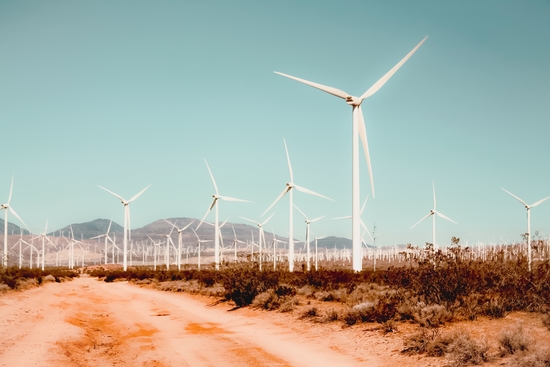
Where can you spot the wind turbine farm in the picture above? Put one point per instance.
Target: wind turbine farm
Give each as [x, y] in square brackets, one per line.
[108, 99]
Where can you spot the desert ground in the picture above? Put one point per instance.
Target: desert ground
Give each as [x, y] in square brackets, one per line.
[86, 322]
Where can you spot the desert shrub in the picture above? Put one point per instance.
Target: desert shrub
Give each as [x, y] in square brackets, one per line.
[310, 312]
[331, 315]
[433, 316]
[306, 290]
[495, 307]
[4, 288]
[417, 343]
[465, 351]
[514, 340]
[539, 357]
[243, 283]
[439, 346]
[268, 300]
[289, 304]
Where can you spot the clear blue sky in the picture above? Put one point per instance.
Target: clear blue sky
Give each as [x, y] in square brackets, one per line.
[127, 93]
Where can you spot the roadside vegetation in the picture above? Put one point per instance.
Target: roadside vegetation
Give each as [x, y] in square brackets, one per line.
[430, 288]
[13, 278]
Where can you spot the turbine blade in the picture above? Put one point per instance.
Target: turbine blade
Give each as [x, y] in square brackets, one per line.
[11, 190]
[289, 165]
[307, 191]
[376, 86]
[212, 177]
[346, 217]
[427, 215]
[250, 220]
[540, 202]
[287, 189]
[324, 88]
[138, 194]
[363, 135]
[203, 218]
[267, 220]
[433, 189]
[17, 216]
[112, 193]
[521, 201]
[301, 212]
[227, 198]
[366, 229]
[445, 217]
[364, 204]
[109, 228]
[213, 203]
[317, 219]
[187, 226]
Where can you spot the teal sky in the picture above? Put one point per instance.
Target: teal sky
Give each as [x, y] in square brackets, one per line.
[127, 93]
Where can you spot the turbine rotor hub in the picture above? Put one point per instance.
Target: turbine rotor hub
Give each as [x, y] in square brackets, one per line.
[353, 101]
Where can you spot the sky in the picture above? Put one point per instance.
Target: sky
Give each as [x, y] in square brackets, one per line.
[124, 94]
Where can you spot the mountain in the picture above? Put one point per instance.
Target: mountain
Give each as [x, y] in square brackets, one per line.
[12, 228]
[159, 229]
[88, 229]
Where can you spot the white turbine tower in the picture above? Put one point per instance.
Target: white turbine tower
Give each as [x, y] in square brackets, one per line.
[7, 208]
[432, 213]
[528, 207]
[289, 186]
[216, 196]
[358, 130]
[106, 235]
[127, 227]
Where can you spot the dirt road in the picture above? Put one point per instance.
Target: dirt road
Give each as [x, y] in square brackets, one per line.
[90, 323]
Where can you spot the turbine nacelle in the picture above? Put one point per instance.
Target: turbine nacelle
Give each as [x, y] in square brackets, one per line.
[353, 101]
[4, 206]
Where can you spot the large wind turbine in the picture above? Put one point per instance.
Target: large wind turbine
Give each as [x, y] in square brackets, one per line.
[127, 227]
[528, 207]
[7, 208]
[180, 234]
[289, 186]
[216, 196]
[432, 213]
[358, 130]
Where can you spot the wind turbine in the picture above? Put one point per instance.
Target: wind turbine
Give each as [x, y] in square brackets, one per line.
[528, 207]
[180, 233]
[260, 233]
[127, 227]
[432, 213]
[216, 196]
[106, 235]
[199, 241]
[288, 189]
[235, 241]
[7, 208]
[358, 130]
[308, 221]
[316, 253]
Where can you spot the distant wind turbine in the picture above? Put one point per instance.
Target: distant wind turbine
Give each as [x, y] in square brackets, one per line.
[260, 234]
[127, 227]
[216, 197]
[308, 222]
[289, 186]
[528, 207]
[358, 130]
[180, 234]
[7, 208]
[432, 213]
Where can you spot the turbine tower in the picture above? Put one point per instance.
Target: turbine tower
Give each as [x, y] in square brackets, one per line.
[127, 227]
[7, 208]
[432, 213]
[358, 130]
[528, 207]
[289, 186]
[216, 196]
[308, 222]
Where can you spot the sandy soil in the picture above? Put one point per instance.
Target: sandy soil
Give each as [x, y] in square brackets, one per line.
[91, 323]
